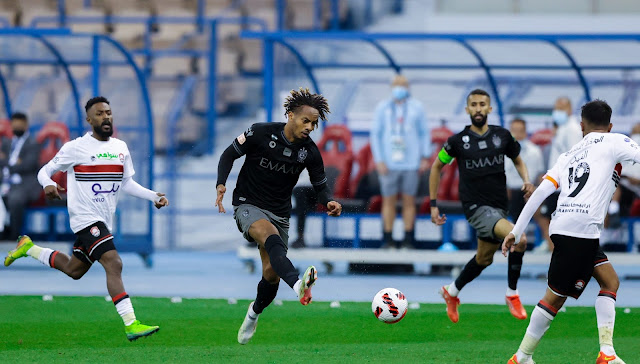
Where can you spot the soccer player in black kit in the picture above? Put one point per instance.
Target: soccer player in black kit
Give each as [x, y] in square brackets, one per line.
[480, 150]
[276, 154]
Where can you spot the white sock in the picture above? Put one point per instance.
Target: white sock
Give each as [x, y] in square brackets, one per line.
[296, 286]
[512, 292]
[124, 308]
[606, 318]
[41, 254]
[453, 290]
[252, 314]
[538, 325]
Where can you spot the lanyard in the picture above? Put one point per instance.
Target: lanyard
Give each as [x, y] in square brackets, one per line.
[16, 147]
[398, 125]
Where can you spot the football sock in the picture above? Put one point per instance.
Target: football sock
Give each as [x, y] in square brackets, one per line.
[252, 313]
[266, 293]
[541, 318]
[46, 256]
[469, 273]
[124, 308]
[296, 286]
[453, 290]
[278, 256]
[387, 237]
[409, 237]
[606, 318]
[515, 264]
[511, 292]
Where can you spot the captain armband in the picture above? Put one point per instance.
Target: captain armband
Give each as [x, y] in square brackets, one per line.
[444, 156]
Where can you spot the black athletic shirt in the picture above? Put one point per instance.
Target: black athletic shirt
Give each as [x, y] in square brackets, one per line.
[481, 165]
[272, 167]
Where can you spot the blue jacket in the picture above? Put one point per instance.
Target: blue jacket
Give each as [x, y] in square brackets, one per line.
[413, 132]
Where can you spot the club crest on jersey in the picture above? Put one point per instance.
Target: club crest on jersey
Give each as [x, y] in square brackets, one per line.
[465, 139]
[579, 284]
[249, 132]
[496, 141]
[95, 231]
[121, 157]
[302, 155]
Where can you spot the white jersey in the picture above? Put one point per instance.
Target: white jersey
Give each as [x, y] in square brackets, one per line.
[587, 175]
[95, 170]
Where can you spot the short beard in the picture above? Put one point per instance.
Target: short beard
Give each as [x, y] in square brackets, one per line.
[479, 124]
[101, 133]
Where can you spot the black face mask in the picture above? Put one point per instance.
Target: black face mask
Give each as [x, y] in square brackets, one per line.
[18, 133]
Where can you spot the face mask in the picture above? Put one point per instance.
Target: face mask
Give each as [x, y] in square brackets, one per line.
[399, 92]
[559, 117]
[18, 133]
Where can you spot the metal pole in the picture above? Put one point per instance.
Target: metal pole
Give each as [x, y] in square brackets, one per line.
[213, 79]
[5, 92]
[335, 15]
[281, 8]
[268, 78]
[95, 66]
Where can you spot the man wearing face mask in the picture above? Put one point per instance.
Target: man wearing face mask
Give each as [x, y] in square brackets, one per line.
[568, 133]
[400, 144]
[19, 160]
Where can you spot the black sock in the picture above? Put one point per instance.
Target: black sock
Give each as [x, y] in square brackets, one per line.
[387, 237]
[409, 237]
[515, 264]
[266, 293]
[469, 273]
[278, 256]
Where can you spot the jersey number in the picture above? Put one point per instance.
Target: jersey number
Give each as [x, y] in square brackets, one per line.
[580, 176]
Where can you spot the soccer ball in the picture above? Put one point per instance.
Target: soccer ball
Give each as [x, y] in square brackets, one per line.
[389, 305]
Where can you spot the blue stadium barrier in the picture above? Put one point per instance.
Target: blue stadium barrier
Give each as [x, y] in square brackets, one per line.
[61, 49]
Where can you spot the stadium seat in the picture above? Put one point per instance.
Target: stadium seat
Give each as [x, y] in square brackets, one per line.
[51, 138]
[542, 137]
[337, 153]
[5, 129]
[366, 168]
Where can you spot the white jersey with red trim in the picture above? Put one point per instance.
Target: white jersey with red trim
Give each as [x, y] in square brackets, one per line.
[95, 170]
[587, 175]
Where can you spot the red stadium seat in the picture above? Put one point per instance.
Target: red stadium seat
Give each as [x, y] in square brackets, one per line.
[337, 153]
[542, 137]
[366, 165]
[5, 128]
[51, 138]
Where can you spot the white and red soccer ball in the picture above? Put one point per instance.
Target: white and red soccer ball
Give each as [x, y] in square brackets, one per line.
[389, 305]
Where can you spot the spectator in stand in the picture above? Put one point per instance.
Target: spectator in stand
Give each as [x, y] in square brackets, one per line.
[568, 133]
[532, 156]
[19, 160]
[400, 143]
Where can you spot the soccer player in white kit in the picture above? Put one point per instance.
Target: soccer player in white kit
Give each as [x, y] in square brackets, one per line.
[98, 168]
[587, 175]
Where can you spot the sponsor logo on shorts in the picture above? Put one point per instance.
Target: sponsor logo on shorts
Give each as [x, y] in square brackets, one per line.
[579, 285]
[95, 231]
[245, 213]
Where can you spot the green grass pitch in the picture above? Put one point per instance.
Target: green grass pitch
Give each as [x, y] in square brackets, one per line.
[88, 330]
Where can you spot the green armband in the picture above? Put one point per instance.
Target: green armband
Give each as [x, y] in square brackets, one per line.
[444, 156]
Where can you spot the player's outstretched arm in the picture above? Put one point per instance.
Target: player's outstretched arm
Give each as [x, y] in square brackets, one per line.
[527, 186]
[434, 184]
[133, 188]
[224, 168]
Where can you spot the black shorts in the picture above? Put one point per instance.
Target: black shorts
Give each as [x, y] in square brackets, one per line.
[549, 205]
[572, 263]
[92, 242]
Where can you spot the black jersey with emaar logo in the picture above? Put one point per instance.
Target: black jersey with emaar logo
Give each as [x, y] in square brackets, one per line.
[481, 165]
[272, 167]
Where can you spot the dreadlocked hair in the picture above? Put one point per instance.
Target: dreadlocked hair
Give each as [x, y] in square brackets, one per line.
[304, 97]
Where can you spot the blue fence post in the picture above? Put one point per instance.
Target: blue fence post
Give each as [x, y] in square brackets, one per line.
[213, 86]
[200, 15]
[335, 15]
[5, 93]
[268, 78]
[317, 14]
[281, 8]
[95, 66]
[62, 13]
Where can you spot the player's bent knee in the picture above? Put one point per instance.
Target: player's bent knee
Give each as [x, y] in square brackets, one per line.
[76, 274]
[270, 275]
